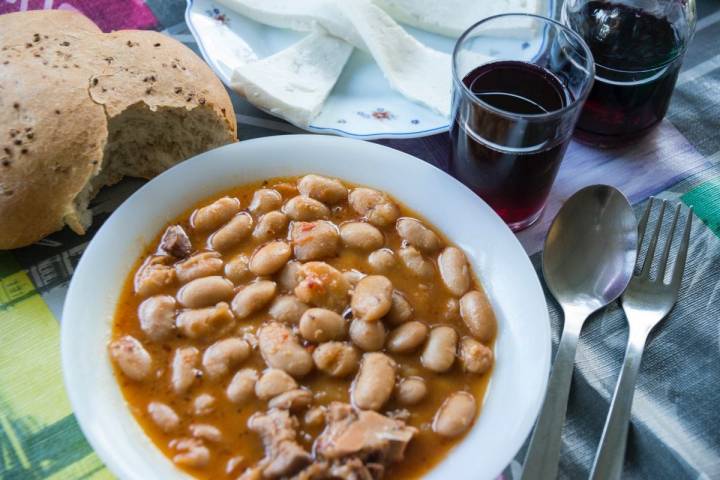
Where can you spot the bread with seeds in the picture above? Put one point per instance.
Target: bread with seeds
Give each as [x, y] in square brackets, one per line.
[80, 109]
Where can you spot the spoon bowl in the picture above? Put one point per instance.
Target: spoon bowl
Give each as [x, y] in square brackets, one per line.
[588, 262]
[590, 250]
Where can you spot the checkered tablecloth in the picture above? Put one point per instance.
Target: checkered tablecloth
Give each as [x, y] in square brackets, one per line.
[675, 431]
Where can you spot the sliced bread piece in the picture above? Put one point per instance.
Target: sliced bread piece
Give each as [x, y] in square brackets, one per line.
[79, 109]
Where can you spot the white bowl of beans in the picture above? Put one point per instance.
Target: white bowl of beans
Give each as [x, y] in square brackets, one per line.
[305, 307]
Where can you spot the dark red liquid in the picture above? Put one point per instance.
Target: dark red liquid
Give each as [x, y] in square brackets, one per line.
[625, 103]
[508, 162]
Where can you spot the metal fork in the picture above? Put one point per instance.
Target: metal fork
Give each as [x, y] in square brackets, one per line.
[646, 302]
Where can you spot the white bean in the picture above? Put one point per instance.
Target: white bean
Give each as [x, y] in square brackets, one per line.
[400, 311]
[203, 264]
[374, 382]
[206, 432]
[410, 391]
[281, 349]
[184, 372]
[418, 265]
[293, 400]
[205, 322]
[157, 317]
[253, 298]
[270, 258]
[454, 271]
[474, 356]
[375, 206]
[193, 453]
[233, 233]
[163, 416]
[204, 404]
[369, 336]
[381, 261]
[322, 286]
[242, 386]
[336, 359]
[455, 415]
[326, 190]
[353, 276]
[319, 325]
[288, 278]
[205, 291]
[217, 213]
[418, 235]
[314, 240]
[439, 352]
[304, 209]
[265, 200]
[237, 269]
[154, 276]
[223, 355]
[270, 226]
[287, 309]
[372, 298]
[132, 358]
[477, 314]
[361, 235]
[407, 337]
[273, 382]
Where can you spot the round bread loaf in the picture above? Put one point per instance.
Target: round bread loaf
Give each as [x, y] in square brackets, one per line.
[80, 109]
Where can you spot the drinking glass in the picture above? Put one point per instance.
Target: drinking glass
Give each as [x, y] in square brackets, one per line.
[638, 46]
[519, 82]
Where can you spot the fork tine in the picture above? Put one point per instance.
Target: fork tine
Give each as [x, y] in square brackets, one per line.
[668, 243]
[682, 253]
[653, 243]
[644, 220]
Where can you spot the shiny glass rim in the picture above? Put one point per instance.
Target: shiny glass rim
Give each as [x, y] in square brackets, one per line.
[516, 116]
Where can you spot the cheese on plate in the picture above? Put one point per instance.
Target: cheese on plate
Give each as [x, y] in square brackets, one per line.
[453, 17]
[419, 73]
[294, 83]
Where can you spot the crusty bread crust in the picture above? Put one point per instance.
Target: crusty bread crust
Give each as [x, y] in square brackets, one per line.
[62, 81]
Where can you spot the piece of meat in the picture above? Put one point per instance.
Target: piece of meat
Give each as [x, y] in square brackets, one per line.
[283, 455]
[352, 435]
[314, 471]
[175, 242]
[352, 468]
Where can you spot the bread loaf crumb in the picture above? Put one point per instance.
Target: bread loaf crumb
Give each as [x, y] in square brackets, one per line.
[91, 109]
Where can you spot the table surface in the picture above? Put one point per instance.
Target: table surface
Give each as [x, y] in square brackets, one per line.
[675, 430]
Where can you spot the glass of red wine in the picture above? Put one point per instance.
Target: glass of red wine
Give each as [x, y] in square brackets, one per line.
[638, 46]
[520, 81]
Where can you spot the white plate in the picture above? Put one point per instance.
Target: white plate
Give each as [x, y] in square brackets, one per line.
[362, 104]
[523, 344]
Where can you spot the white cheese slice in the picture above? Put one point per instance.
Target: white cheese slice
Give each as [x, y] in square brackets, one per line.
[453, 17]
[299, 15]
[294, 83]
[414, 70]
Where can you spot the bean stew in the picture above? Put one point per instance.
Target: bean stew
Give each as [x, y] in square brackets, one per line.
[303, 328]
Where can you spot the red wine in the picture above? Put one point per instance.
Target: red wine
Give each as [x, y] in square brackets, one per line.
[509, 161]
[624, 105]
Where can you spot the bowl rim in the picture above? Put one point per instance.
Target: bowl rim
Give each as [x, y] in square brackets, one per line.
[78, 387]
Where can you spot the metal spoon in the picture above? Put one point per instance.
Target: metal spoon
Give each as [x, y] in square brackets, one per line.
[588, 261]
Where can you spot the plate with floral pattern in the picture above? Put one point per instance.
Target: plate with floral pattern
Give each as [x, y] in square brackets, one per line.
[362, 104]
